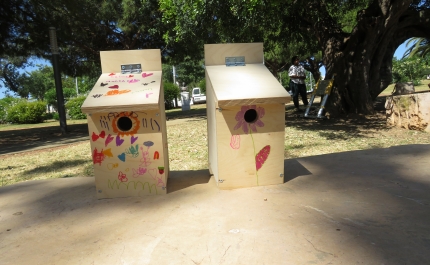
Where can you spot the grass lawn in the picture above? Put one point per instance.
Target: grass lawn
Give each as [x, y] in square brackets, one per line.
[422, 87]
[187, 143]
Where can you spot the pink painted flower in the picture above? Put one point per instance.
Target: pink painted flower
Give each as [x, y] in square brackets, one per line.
[249, 116]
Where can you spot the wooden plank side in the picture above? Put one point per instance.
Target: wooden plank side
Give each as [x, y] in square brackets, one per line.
[111, 61]
[246, 85]
[215, 53]
[123, 92]
[128, 164]
[237, 163]
[162, 114]
[211, 105]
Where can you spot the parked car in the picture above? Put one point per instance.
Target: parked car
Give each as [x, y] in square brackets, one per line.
[197, 96]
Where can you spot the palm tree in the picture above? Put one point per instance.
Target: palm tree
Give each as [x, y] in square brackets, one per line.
[420, 47]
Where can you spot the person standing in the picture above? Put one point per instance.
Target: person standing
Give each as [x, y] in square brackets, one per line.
[297, 81]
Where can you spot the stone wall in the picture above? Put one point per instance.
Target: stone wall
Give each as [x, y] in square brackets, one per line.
[409, 111]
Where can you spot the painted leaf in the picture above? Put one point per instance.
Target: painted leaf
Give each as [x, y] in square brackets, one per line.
[262, 156]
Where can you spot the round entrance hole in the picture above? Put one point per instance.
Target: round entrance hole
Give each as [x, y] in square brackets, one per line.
[124, 124]
[251, 116]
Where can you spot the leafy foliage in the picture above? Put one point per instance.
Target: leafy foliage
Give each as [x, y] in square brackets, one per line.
[5, 104]
[26, 112]
[171, 91]
[73, 107]
[409, 69]
[51, 96]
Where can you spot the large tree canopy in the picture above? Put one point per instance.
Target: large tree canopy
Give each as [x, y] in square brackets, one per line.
[355, 39]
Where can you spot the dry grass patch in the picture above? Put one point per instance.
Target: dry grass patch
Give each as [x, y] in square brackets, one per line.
[187, 141]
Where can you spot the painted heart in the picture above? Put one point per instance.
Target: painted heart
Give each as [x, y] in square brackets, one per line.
[262, 156]
[119, 141]
[122, 157]
[133, 139]
[94, 137]
[102, 134]
[109, 139]
[146, 75]
[108, 152]
[114, 87]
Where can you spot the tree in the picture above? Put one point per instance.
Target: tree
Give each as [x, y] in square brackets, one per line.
[357, 38]
[420, 47]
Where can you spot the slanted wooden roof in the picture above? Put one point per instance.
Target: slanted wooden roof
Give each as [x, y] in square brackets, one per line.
[124, 92]
[119, 92]
[242, 85]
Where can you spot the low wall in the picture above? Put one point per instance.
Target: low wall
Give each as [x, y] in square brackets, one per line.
[410, 111]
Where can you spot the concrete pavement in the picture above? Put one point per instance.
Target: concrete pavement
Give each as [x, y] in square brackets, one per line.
[358, 207]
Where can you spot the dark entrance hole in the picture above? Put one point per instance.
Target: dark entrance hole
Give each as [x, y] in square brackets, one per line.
[251, 116]
[124, 124]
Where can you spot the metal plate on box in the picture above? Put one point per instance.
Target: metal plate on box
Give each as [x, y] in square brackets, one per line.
[131, 68]
[235, 61]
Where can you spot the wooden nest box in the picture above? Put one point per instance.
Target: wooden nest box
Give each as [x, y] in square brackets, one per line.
[246, 117]
[127, 125]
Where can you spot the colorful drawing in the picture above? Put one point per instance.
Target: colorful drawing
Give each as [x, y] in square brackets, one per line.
[161, 170]
[249, 117]
[139, 172]
[114, 87]
[98, 157]
[160, 182]
[95, 137]
[253, 123]
[235, 141]
[133, 151]
[103, 84]
[133, 139]
[108, 152]
[145, 161]
[132, 184]
[133, 81]
[122, 177]
[135, 123]
[148, 144]
[144, 75]
[111, 166]
[109, 139]
[119, 141]
[156, 155]
[122, 157]
[148, 94]
[117, 92]
[262, 156]
[111, 74]
[97, 95]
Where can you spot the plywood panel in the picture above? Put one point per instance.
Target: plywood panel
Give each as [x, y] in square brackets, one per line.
[238, 145]
[111, 61]
[132, 162]
[215, 53]
[124, 92]
[211, 105]
[246, 85]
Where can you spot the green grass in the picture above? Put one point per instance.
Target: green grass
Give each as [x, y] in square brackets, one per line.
[48, 123]
[419, 88]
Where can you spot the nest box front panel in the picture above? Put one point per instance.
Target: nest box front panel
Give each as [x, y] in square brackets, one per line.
[128, 153]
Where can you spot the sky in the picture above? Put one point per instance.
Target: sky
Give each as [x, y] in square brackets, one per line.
[399, 53]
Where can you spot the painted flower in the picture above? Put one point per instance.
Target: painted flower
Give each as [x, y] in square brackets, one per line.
[249, 116]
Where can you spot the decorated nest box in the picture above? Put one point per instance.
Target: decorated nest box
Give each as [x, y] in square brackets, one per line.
[246, 117]
[127, 125]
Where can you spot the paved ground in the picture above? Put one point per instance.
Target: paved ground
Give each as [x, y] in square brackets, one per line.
[359, 207]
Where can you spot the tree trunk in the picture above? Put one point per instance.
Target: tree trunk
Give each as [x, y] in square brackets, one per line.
[362, 61]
